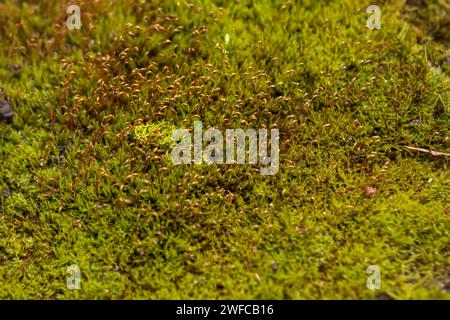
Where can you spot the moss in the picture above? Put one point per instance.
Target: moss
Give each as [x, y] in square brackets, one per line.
[87, 179]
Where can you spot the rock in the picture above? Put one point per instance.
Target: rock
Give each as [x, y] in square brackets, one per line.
[6, 192]
[6, 112]
[370, 191]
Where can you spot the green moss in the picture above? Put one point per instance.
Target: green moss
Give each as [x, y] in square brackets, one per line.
[87, 180]
[159, 132]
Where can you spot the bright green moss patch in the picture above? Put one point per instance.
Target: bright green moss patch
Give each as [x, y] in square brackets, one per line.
[159, 132]
[86, 177]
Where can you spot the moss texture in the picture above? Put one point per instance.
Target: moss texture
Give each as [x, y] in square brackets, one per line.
[86, 179]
